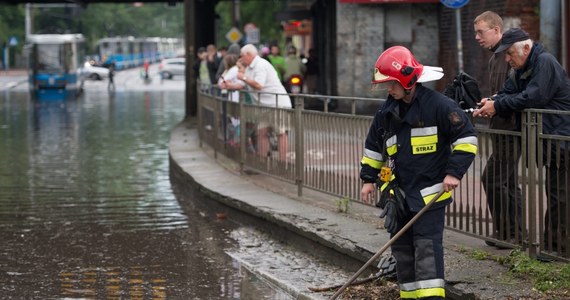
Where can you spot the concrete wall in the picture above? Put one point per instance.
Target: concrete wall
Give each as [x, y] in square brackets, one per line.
[365, 30]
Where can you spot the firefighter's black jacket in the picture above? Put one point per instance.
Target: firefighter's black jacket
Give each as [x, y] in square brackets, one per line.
[435, 138]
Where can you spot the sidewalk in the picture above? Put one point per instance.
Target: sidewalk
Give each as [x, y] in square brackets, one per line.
[358, 234]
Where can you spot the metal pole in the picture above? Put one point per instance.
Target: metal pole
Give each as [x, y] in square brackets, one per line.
[28, 19]
[459, 39]
[388, 244]
[564, 42]
[299, 144]
[531, 125]
[190, 25]
[236, 13]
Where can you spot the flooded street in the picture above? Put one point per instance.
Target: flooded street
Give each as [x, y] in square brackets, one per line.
[87, 210]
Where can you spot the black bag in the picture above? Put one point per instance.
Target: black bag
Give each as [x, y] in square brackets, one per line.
[464, 90]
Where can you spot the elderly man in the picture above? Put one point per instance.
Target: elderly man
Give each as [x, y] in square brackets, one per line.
[265, 88]
[538, 81]
[500, 178]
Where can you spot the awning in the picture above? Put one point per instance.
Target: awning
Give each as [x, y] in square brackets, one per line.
[293, 14]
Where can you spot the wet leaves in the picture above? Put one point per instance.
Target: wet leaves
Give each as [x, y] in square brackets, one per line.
[385, 290]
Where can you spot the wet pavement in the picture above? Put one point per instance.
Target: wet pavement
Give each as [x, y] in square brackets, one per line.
[87, 210]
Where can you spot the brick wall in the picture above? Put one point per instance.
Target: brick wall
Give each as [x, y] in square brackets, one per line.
[361, 38]
[523, 13]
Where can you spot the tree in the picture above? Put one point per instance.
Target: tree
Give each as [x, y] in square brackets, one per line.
[11, 25]
[260, 13]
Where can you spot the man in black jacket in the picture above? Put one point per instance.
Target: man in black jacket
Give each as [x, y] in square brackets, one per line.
[500, 176]
[539, 81]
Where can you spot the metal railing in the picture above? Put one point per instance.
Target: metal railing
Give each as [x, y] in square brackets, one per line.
[321, 150]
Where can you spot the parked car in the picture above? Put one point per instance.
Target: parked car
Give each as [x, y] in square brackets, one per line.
[95, 73]
[171, 67]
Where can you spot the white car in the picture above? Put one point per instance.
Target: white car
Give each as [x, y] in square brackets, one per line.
[170, 67]
[95, 73]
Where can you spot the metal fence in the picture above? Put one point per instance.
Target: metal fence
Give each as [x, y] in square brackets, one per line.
[321, 150]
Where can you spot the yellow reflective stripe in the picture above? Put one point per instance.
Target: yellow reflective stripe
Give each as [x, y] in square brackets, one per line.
[422, 289]
[386, 183]
[408, 295]
[469, 148]
[445, 196]
[466, 144]
[466, 140]
[384, 186]
[372, 162]
[429, 192]
[422, 140]
[392, 145]
[392, 150]
[432, 292]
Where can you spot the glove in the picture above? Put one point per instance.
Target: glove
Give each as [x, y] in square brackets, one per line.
[392, 191]
[392, 203]
[384, 194]
[389, 213]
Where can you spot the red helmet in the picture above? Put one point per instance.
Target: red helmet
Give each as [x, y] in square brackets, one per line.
[397, 63]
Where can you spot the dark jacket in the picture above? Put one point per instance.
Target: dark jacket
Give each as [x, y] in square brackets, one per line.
[498, 74]
[433, 139]
[232, 49]
[541, 83]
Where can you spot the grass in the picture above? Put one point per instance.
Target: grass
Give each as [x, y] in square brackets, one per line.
[550, 278]
[343, 204]
[545, 276]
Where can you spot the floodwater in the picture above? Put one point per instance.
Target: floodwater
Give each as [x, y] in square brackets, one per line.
[87, 210]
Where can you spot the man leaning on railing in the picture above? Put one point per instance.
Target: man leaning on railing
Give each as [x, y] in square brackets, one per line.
[265, 89]
[538, 81]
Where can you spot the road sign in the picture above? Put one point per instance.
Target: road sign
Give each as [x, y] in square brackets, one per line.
[13, 41]
[252, 36]
[251, 33]
[234, 35]
[454, 3]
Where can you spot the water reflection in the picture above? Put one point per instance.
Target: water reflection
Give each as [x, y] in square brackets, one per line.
[87, 210]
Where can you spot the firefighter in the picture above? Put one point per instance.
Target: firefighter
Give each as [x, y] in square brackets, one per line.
[419, 143]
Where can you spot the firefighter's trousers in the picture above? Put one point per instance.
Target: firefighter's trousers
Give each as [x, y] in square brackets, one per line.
[419, 256]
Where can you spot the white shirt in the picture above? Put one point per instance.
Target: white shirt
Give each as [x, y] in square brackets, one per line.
[264, 73]
[230, 76]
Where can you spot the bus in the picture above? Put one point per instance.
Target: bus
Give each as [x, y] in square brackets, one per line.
[55, 63]
[131, 52]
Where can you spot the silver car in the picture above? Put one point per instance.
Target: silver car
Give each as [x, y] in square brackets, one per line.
[172, 67]
[94, 72]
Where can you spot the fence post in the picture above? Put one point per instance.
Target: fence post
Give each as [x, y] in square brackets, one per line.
[299, 144]
[216, 119]
[243, 136]
[200, 117]
[530, 125]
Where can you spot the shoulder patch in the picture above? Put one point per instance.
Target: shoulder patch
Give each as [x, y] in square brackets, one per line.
[455, 118]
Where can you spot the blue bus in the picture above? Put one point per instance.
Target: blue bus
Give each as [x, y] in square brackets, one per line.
[130, 52]
[55, 64]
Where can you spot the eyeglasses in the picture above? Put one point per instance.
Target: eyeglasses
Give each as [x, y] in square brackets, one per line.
[481, 32]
